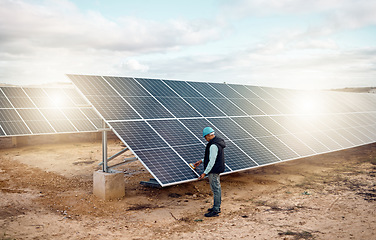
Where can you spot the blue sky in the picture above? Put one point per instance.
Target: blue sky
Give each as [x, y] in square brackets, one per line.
[279, 43]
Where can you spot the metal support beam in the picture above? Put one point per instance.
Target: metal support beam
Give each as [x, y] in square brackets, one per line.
[126, 161]
[115, 155]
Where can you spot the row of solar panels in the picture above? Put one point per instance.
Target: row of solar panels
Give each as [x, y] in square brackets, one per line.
[161, 121]
[28, 111]
[169, 99]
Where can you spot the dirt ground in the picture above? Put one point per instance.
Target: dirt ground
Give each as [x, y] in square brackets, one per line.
[46, 193]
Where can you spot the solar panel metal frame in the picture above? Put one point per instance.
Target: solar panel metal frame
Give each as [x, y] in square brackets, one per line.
[255, 94]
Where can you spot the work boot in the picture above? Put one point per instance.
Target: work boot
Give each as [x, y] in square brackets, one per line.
[212, 209]
[212, 214]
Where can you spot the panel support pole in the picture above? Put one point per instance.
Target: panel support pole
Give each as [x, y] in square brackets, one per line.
[104, 148]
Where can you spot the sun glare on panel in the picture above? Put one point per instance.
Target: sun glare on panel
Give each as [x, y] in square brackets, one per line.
[57, 101]
[308, 104]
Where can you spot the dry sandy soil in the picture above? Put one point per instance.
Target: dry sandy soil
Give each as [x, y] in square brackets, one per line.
[46, 193]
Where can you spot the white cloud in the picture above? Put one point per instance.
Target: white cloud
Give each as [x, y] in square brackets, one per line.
[55, 37]
[339, 14]
[41, 43]
[242, 8]
[304, 70]
[62, 25]
[134, 65]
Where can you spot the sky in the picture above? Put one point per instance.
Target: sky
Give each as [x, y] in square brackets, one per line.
[302, 44]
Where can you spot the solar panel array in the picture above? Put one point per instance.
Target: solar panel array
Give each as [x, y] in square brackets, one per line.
[31, 111]
[161, 121]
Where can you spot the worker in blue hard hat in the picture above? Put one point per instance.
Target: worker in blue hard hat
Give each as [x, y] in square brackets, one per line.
[214, 164]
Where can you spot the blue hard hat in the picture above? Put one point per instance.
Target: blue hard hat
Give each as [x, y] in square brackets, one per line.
[206, 131]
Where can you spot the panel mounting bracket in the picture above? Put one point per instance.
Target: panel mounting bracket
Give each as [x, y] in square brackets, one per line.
[106, 159]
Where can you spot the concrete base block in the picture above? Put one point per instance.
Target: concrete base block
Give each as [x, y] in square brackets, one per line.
[108, 185]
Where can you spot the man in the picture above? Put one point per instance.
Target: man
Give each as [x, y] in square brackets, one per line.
[214, 164]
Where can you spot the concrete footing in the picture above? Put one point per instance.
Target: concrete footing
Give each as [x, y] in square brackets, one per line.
[108, 186]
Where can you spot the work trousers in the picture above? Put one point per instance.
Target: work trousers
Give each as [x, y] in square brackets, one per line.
[215, 186]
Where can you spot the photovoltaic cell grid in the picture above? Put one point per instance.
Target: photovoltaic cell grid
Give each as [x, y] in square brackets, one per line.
[31, 111]
[161, 121]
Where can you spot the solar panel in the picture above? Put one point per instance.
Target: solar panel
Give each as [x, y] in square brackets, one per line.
[204, 107]
[258, 152]
[264, 106]
[93, 117]
[243, 91]
[78, 119]
[161, 121]
[139, 135]
[227, 107]
[172, 130]
[173, 169]
[225, 90]
[17, 97]
[12, 124]
[277, 147]
[228, 127]
[178, 107]
[39, 98]
[260, 92]
[249, 123]
[312, 142]
[4, 102]
[205, 89]
[127, 87]
[297, 145]
[156, 87]
[236, 158]
[35, 120]
[77, 99]
[246, 106]
[268, 123]
[47, 110]
[195, 126]
[148, 107]
[193, 152]
[183, 89]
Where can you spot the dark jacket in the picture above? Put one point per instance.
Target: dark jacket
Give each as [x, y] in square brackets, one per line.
[219, 166]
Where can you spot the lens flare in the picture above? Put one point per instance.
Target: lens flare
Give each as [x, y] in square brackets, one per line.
[57, 101]
[308, 104]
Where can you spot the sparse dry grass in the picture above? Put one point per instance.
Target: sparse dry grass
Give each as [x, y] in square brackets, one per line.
[297, 235]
